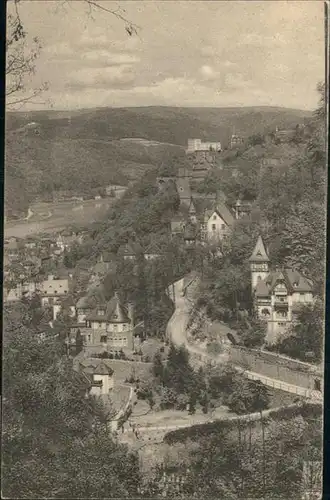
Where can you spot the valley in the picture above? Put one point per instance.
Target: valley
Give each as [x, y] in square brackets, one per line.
[53, 217]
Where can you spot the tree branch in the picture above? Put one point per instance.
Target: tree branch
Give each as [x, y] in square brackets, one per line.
[131, 28]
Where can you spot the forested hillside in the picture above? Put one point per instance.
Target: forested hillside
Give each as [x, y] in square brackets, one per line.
[164, 124]
[78, 151]
[38, 165]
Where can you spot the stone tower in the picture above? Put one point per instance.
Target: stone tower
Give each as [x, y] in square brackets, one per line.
[259, 264]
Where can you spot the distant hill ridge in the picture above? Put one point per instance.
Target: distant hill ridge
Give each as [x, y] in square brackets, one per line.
[173, 125]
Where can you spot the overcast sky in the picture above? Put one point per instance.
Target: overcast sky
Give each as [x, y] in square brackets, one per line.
[186, 54]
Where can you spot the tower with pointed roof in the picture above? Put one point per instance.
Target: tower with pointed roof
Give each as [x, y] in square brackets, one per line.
[259, 264]
[192, 212]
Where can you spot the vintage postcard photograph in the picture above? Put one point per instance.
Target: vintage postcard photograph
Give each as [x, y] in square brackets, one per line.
[164, 249]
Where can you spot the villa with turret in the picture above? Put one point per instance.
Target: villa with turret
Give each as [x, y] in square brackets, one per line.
[105, 326]
[277, 294]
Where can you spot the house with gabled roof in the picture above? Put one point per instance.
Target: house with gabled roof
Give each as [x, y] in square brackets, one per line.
[107, 263]
[277, 294]
[12, 246]
[100, 375]
[217, 223]
[153, 251]
[53, 291]
[130, 251]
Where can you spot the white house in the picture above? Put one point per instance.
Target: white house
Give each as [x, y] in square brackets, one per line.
[52, 291]
[217, 224]
[100, 376]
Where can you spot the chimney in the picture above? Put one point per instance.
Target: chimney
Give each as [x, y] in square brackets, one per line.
[116, 295]
[130, 310]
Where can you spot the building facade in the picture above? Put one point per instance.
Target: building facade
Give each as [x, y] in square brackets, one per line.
[277, 294]
[108, 327]
[197, 145]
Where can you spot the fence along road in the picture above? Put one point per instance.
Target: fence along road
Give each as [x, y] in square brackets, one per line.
[176, 332]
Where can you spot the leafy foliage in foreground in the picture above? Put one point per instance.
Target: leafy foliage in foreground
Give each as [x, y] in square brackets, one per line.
[56, 442]
[249, 459]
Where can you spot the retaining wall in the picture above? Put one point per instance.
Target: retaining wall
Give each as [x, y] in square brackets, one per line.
[286, 370]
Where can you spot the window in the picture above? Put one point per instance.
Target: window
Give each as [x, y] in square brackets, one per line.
[103, 339]
[115, 327]
[214, 217]
[281, 324]
[223, 227]
[259, 278]
[213, 227]
[89, 338]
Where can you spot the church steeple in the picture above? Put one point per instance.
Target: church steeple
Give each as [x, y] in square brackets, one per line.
[259, 263]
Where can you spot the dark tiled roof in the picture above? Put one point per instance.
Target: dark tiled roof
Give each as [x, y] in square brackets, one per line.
[259, 253]
[153, 249]
[298, 281]
[89, 301]
[192, 209]
[294, 281]
[224, 213]
[131, 249]
[262, 290]
[95, 367]
[114, 312]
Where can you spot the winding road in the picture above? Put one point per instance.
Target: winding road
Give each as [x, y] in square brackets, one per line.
[176, 332]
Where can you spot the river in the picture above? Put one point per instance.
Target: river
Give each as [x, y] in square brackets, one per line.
[53, 217]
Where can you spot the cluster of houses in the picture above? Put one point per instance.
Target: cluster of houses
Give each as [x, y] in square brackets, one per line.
[203, 218]
[28, 262]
